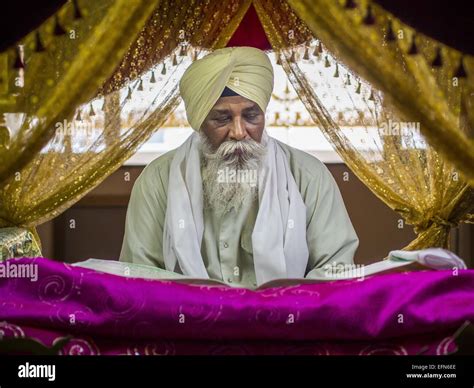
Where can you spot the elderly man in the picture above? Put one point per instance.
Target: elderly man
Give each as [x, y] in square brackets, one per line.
[232, 203]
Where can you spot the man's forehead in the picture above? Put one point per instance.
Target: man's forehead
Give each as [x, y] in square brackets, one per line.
[227, 103]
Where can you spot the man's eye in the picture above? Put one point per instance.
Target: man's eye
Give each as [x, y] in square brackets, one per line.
[222, 119]
[252, 116]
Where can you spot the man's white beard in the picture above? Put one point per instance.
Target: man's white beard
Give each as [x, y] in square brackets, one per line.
[230, 173]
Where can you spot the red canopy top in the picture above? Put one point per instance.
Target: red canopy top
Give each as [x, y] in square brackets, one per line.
[250, 32]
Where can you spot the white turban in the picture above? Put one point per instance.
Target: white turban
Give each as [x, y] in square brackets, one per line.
[245, 70]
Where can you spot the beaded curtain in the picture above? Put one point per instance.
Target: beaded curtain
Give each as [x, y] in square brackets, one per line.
[426, 81]
[383, 145]
[80, 149]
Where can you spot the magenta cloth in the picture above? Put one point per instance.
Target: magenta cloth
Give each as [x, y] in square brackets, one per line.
[408, 310]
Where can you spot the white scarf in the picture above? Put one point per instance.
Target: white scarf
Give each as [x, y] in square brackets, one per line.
[279, 236]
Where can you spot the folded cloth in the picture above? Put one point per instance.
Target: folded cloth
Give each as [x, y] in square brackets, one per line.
[430, 302]
[436, 258]
[17, 242]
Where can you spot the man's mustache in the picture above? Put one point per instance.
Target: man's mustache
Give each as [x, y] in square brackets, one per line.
[239, 151]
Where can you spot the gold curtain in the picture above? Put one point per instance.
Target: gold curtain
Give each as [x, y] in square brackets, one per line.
[60, 143]
[105, 131]
[389, 154]
[205, 24]
[58, 66]
[425, 80]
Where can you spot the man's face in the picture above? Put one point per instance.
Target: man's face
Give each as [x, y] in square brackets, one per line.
[233, 118]
[231, 141]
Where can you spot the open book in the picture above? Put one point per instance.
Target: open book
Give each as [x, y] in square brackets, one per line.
[434, 258]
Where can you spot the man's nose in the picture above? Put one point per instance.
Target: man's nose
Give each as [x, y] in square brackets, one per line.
[237, 132]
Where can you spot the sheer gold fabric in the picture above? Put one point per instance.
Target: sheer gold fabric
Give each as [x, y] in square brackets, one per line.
[67, 59]
[102, 133]
[178, 23]
[389, 154]
[405, 66]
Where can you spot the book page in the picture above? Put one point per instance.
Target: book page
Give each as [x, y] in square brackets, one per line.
[128, 269]
[150, 272]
